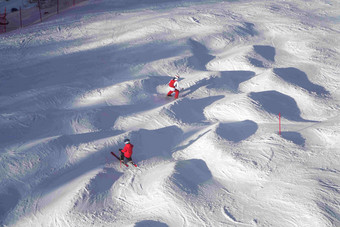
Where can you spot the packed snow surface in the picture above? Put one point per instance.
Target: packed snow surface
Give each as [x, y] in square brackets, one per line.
[74, 87]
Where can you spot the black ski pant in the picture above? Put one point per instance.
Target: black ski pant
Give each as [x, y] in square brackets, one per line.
[122, 156]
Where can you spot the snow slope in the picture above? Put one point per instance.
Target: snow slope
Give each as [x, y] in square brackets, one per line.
[72, 88]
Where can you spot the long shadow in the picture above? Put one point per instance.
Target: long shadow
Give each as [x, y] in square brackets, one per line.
[50, 124]
[236, 131]
[267, 52]
[46, 123]
[126, 5]
[104, 118]
[275, 103]
[190, 174]
[200, 57]
[133, 4]
[191, 141]
[99, 187]
[55, 85]
[8, 200]
[246, 29]
[150, 223]
[193, 109]
[149, 144]
[256, 62]
[299, 78]
[229, 80]
[69, 173]
[264, 56]
[84, 138]
[116, 62]
[61, 177]
[295, 137]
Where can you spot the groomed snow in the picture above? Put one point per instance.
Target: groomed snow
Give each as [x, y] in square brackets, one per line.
[73, 87]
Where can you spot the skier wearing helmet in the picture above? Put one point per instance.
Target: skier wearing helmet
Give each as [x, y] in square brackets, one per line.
[174, 86]
[126, 152]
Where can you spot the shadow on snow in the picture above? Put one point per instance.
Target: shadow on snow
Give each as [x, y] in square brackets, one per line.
[8, 200]
[190, 175]
[299, 78]
[236, 131]
[275, 102]
[295, 137]
[150, 223]
[228, 80]
[194, 109]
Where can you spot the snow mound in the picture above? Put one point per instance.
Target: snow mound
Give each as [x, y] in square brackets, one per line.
[74, 87]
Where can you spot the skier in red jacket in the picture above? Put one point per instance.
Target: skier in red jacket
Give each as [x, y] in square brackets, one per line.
[126, 152]
[174, 86]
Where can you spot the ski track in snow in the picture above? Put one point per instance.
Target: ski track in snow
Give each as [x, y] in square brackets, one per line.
[72, 88]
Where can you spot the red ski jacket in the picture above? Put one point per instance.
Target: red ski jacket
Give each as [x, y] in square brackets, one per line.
[172, 83]
[127, 150]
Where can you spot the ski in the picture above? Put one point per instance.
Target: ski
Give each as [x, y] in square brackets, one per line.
[119, 159]
[134, 164]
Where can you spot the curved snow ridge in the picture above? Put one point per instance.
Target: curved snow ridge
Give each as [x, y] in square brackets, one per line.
[213, 157]
[144, 189]
[96, 194]
[130, 92]
[196, 192]
[149, 119]
[171, 112]
[202, 177]
[194, 109]
[38, 159]
[309, 105]
[42, 96]
[251, 171]
[118, 94]
[54, 171]
[46, 210]
[190, 175]
[219, 82]
[237, 107]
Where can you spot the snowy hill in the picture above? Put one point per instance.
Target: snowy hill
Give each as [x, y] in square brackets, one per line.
[74, 87]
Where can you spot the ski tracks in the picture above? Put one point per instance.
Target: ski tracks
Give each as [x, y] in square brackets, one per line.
[138, 190]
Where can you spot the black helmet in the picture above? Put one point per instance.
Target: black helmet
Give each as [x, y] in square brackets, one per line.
[126, 141]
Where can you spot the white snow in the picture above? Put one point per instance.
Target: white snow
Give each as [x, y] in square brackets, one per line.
[73, 87]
